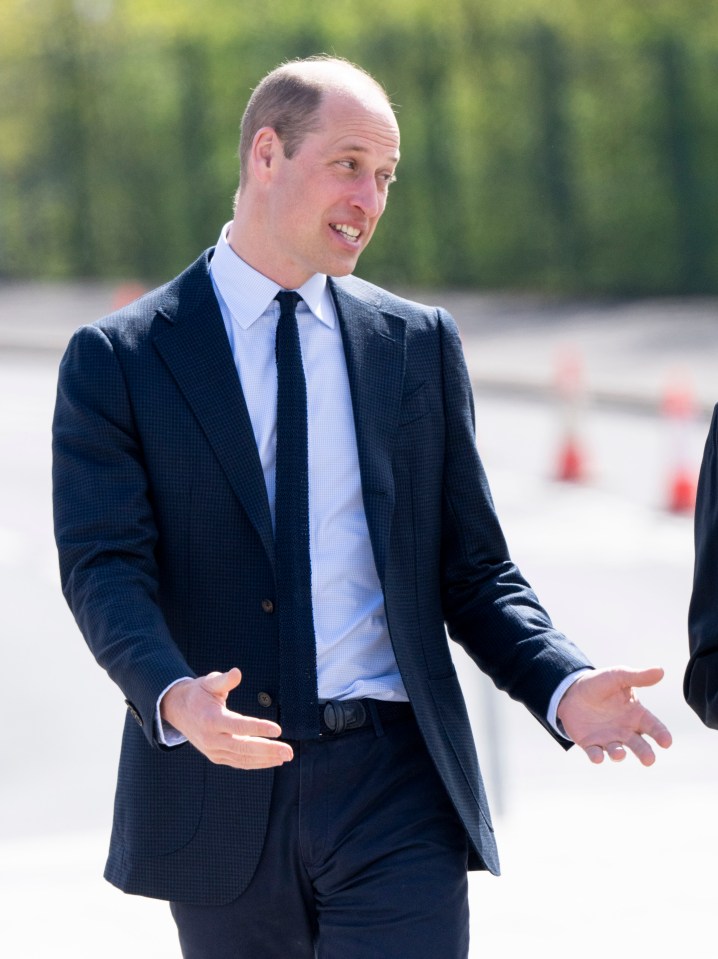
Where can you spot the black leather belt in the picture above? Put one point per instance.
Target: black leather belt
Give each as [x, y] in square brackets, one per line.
[339, 716]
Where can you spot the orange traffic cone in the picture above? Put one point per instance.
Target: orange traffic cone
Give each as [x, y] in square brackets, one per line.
[679, 412]
[570, 389]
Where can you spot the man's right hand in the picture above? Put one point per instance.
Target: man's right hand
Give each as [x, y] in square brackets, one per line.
[197, 708]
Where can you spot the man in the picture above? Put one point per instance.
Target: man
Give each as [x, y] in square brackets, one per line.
[292, 487]
[701, 679]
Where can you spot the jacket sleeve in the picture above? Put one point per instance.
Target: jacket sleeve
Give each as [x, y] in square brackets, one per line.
[701, 679]
[489, 608]
[105, 529]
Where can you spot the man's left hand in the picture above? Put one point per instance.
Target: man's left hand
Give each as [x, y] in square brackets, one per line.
[601, 713]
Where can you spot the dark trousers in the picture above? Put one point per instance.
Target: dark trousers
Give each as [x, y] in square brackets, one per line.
[364, 859]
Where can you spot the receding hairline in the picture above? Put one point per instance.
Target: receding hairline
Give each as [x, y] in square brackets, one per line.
[333, 74]
[318, 77]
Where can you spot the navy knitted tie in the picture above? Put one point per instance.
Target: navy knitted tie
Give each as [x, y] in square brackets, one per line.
[299, 711]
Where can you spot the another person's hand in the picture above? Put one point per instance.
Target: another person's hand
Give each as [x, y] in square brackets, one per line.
[600, 712]
[197, 708]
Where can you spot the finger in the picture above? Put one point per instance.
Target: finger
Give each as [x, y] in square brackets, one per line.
[249, 752]
[641, 749]
[257, 748]
[641, 677]
[616, 752]
[594, 753]
[235, 724]
[244, 762]
[662, 736]
[249, 748]
[654, 728]
[646, 724]
[220, 684]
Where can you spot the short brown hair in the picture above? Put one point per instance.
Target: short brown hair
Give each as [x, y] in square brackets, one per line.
[288, 100]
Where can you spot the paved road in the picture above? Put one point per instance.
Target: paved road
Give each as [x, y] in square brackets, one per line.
[619, 859]
[631, 350]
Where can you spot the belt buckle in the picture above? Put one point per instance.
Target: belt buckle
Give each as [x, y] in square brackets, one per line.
[340, 715]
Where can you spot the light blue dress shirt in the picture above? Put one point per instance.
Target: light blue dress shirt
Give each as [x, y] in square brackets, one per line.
[355, 658]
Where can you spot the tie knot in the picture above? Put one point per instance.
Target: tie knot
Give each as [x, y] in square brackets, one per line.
[287, 300]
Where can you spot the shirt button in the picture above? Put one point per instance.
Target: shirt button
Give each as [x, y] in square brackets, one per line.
[264, 699]
[267, 606]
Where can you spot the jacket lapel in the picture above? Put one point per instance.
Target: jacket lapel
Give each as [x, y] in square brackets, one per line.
[374, 347]
[193, 344]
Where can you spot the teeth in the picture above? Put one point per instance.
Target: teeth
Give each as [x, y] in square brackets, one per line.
[349, 231]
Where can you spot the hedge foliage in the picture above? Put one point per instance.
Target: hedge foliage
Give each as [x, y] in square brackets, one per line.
[569, 146]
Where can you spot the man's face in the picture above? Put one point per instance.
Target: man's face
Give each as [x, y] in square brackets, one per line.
[324, 203]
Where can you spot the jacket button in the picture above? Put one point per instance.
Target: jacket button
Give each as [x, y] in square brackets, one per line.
[264, 699]
[267, 606]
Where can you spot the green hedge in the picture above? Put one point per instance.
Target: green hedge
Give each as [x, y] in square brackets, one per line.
[569, 149]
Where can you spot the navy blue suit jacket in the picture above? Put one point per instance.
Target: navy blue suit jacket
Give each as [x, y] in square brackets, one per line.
[166, 552]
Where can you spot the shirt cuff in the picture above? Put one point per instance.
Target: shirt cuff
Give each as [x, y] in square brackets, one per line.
[565, 683]
[165, 733]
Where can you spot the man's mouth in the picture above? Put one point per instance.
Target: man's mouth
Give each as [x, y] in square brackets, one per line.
[350, 232]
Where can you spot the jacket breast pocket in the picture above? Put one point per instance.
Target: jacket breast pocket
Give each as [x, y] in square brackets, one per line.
[415, 405]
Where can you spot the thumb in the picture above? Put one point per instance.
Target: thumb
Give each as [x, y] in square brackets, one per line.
[221, 684]
[643, 677]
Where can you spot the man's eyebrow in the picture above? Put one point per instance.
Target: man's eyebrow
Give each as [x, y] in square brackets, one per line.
[360, 148]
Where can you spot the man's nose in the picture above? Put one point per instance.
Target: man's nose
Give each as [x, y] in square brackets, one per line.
[368, 197]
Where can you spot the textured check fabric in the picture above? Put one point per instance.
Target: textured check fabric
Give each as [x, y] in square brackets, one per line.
[299, 714]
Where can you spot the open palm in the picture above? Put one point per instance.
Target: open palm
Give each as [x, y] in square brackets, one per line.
[600, 713]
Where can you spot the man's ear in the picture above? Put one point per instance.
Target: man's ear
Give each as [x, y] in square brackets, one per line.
[266, 148]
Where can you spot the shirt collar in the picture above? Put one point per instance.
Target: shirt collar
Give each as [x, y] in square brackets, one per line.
[248, 293]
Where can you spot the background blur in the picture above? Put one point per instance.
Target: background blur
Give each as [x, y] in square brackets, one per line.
[564, 146]
[557, 193]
